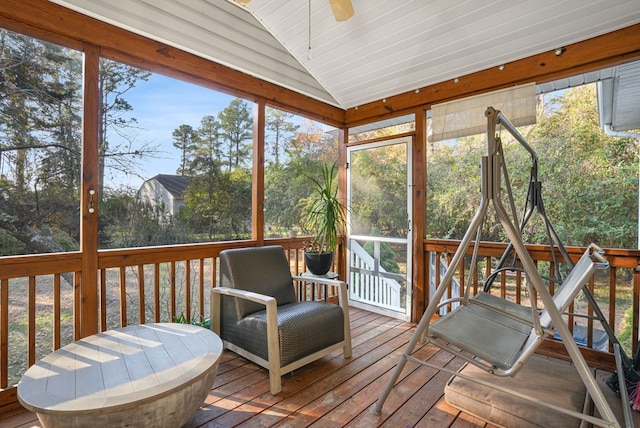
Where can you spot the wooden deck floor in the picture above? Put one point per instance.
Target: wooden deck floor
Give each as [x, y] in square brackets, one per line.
[332, 392]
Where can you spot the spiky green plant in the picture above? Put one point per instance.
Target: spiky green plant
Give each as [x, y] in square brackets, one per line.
[326, 215]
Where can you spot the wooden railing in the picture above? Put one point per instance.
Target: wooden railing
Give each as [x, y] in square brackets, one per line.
[616, 289]
[155, 285]
[40, 301]
[370, 281]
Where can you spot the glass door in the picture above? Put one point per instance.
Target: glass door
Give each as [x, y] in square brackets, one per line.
[379, 235]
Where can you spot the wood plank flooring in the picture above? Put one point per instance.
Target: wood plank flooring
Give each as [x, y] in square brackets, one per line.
[331, 392]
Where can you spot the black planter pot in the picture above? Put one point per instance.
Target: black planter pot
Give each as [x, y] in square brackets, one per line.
[318, 263]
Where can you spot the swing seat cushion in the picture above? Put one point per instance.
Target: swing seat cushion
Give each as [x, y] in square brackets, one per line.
[541, 377]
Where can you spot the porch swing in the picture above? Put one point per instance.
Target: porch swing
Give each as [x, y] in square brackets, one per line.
[497, 336]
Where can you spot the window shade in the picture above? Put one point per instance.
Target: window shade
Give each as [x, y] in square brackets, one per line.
[464, 117]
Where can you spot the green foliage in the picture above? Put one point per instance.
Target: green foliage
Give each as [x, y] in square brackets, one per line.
[281, 130]
[378, 195]
[124, 223]
[625, 337]
[217, 205]
[40, 148]
[589, 179]
[113, 218]
[236, 130]
[218, 196]
[387, 255]
[287, 188]
[10, 245]
[216, 156]
[66, 242]
[41, 128]
[198, 320]
[325, 214]
[184, 139]
[208, 142]
[118, 148]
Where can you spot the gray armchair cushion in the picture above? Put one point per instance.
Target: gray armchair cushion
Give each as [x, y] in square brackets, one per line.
[303, 328]
[295, 333]
[263, 270]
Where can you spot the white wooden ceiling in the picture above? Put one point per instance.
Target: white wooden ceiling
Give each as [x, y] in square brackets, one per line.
[388, 47]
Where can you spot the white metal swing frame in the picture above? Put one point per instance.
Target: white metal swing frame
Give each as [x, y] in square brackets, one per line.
[498, 335]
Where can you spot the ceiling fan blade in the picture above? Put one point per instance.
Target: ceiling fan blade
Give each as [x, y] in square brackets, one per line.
[342, 9]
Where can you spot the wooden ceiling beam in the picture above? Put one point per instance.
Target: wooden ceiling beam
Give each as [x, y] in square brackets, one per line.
[589, 55]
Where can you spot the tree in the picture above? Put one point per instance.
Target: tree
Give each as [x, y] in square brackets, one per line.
[589, 179]
[376, 204]
[25, 73]
[286, 185]
[311, 142]
[184, 139]
[210, 139]
[453, 183]
[118, 148]
[387, 256]
[40, 130]
[204, 197]
[218, 201]
[282, 129]
[236, 126]
[40, 94]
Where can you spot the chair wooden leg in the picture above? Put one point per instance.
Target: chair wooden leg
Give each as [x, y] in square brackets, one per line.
[275, 381]
[215, 312]
[347, 350]
[344, 304]
[347, 338]
[273, 348]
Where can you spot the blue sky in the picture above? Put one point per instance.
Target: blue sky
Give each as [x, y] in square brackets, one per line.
[161, 105]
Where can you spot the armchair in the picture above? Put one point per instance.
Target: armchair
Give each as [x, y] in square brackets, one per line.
[255, 312]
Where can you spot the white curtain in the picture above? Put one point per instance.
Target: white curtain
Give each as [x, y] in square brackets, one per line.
[464, 117]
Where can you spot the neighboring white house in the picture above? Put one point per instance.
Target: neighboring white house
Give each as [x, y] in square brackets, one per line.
[165, 192]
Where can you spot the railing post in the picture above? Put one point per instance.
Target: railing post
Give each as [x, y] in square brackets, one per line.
[90, 196]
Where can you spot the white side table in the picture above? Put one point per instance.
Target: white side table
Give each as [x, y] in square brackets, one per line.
[328, 275]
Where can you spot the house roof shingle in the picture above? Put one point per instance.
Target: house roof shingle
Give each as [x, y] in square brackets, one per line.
[175, 184]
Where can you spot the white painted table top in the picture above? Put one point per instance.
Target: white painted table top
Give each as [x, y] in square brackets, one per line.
[137, 363]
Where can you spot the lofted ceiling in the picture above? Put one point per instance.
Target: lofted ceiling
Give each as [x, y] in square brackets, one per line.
[388, 47]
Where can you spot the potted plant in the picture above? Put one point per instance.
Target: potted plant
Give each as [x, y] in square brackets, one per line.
[325, 220]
